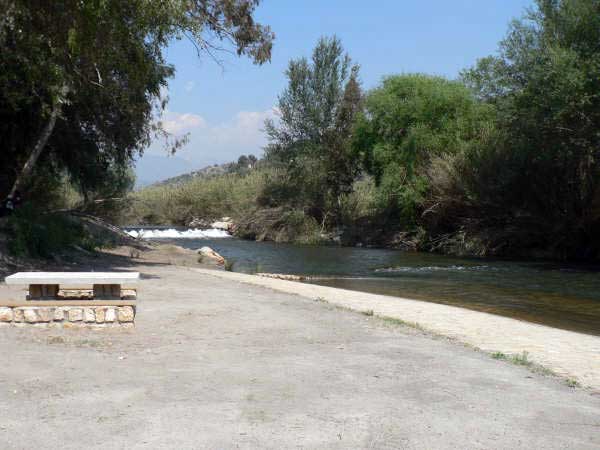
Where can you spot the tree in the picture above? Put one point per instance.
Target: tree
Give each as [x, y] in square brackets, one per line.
[81, 81]
[243, 162]
[408, 121]
[311, 137]
[545, 85]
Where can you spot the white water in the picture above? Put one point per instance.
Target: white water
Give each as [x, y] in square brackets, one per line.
[451, 268]
[177, 234]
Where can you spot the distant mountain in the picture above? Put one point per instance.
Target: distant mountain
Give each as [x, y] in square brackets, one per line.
[205, 172]
[152, 168]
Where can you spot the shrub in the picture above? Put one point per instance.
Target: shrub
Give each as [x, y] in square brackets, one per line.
[227, 195]
[410, 120]
[36, 234]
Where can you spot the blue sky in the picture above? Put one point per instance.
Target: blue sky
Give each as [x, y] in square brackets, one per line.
[223, 108]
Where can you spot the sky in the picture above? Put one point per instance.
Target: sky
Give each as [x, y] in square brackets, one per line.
[223, 107]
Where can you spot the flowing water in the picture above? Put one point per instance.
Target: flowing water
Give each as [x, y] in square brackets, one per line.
[559, 295]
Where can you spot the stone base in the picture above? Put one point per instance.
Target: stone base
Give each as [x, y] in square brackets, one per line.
[68, 316]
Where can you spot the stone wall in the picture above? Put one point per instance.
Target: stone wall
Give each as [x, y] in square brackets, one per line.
[68, 316]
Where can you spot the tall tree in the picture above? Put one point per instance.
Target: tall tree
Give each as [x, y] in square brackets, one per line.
[545, 84]
[81, 81]
[311, 137]
[409, 120]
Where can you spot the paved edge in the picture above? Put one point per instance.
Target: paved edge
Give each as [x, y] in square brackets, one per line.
[572, 355]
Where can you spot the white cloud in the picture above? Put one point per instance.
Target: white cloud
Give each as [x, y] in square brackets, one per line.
[226, 141]
[209, 143]
[179, 124]
[189, 86]
[244, 130]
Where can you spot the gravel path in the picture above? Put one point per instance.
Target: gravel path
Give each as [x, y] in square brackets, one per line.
[572, 355]
[216, 363]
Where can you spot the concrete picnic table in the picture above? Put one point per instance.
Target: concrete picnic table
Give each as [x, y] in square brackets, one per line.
[45, 285]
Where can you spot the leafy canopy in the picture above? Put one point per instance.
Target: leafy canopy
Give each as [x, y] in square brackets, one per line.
[311, 137]
[408, 121]
[546, 86]
[102, 63]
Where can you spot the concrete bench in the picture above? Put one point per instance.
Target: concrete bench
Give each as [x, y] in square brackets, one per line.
[104, 285]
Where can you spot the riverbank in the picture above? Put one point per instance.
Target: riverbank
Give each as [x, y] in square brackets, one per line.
[568, 354]
[573, 356]
[216, 362]
[565, 296]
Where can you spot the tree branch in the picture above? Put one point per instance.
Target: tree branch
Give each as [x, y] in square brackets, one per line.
[39, 145]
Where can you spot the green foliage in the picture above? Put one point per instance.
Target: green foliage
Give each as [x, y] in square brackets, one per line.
[242, 196]
[408, 121]
[521, 359]
[246, 162]
[361, 202]
[498, 355]
[102, 63]
[538, 180]
[310, 141]
[502, 161]
[80, 90]
[572, 383]
[35, 235]
[298, 227]
[231, 195]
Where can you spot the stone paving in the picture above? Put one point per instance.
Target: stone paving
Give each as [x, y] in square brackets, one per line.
[569, 354]
[67, 316]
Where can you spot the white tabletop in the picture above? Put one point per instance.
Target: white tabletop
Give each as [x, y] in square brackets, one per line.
[73, 278]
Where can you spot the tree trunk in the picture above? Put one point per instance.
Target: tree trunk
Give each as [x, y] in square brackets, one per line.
[37, 150]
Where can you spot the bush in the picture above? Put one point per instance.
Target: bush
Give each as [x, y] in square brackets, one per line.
[35, 234]
[279, 225]
[410, 120]
[361, 202]
[296, 226]
[208, 198]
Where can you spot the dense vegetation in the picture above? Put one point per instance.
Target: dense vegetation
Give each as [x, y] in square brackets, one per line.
[502, 161]
[80, 87]
[229, 194]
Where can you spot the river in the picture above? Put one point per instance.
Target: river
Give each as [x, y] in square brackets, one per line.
[559, 295]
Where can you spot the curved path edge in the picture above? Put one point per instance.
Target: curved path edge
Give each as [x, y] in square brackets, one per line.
[566, 353]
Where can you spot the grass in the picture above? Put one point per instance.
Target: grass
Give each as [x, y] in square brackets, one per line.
[35, 234]
[235, 195]
[519, 359]
[209, 198]
[396, 321]
[572, 383]
[229, 265]
[498, 355]
[522, 359]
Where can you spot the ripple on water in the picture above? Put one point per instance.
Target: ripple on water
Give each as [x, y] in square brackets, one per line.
[558, 295]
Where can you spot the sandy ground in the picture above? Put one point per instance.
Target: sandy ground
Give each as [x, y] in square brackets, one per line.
[216, 363]
[574, 356]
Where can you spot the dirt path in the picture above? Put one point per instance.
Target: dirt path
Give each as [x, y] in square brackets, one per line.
[572, 355]
[215, 363]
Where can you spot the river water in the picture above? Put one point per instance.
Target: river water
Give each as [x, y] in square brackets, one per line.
[559, 295]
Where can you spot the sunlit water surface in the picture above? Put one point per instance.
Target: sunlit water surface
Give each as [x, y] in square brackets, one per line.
[559, 295]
